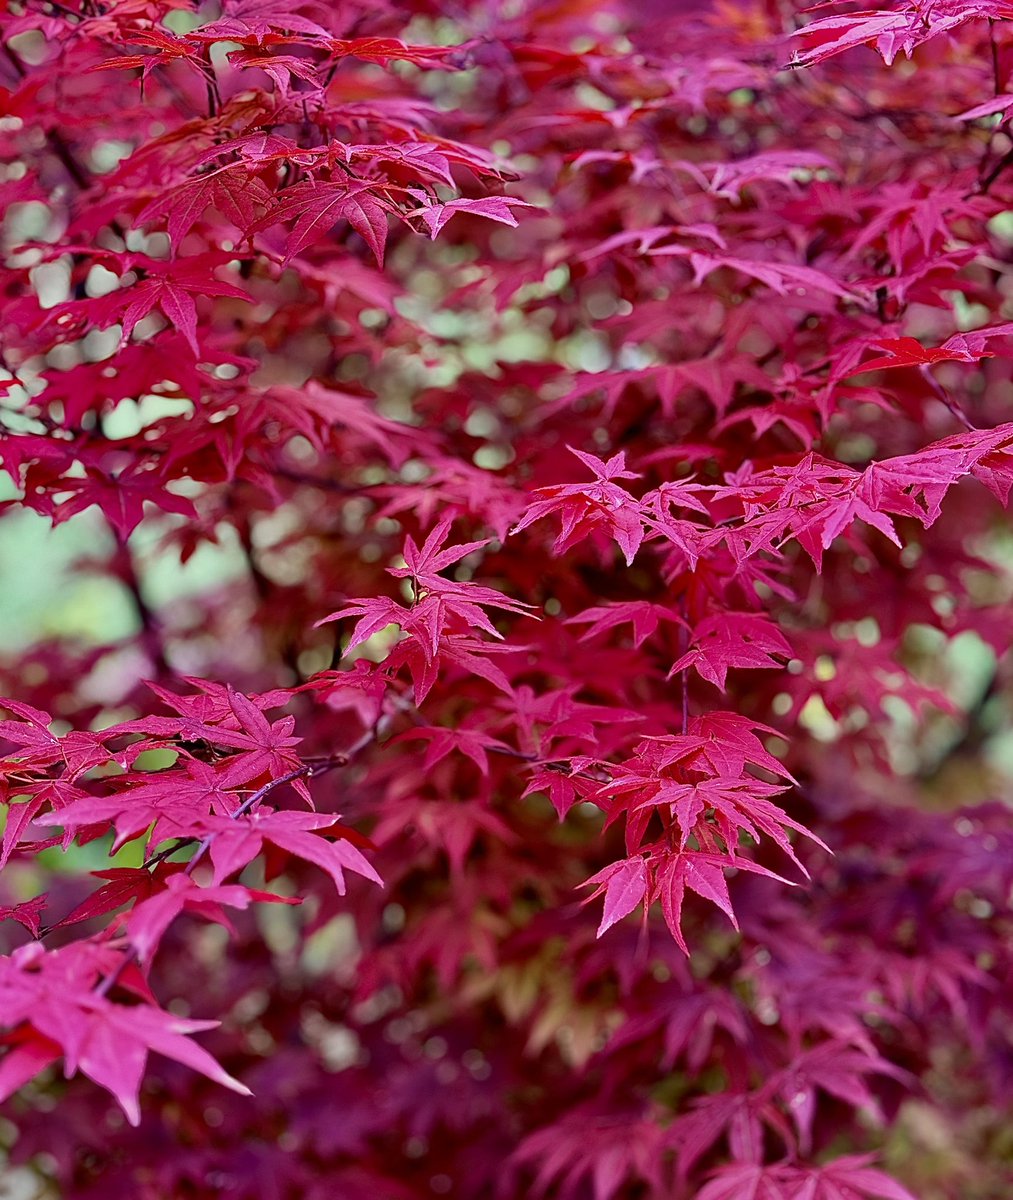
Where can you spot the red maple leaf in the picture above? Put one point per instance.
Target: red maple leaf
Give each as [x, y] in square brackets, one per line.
[58, 1013]
[316, 206]
[435, 214]
[587, 508]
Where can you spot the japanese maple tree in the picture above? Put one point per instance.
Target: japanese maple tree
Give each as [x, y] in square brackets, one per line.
[571, 782]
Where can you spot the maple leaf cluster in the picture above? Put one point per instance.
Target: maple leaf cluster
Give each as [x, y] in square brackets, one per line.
[565, 777]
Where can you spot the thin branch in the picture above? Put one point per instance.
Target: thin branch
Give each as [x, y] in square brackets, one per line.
[151, 634]
[943, 397]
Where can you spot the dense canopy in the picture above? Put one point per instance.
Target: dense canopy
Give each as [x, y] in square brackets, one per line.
[549, 459]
